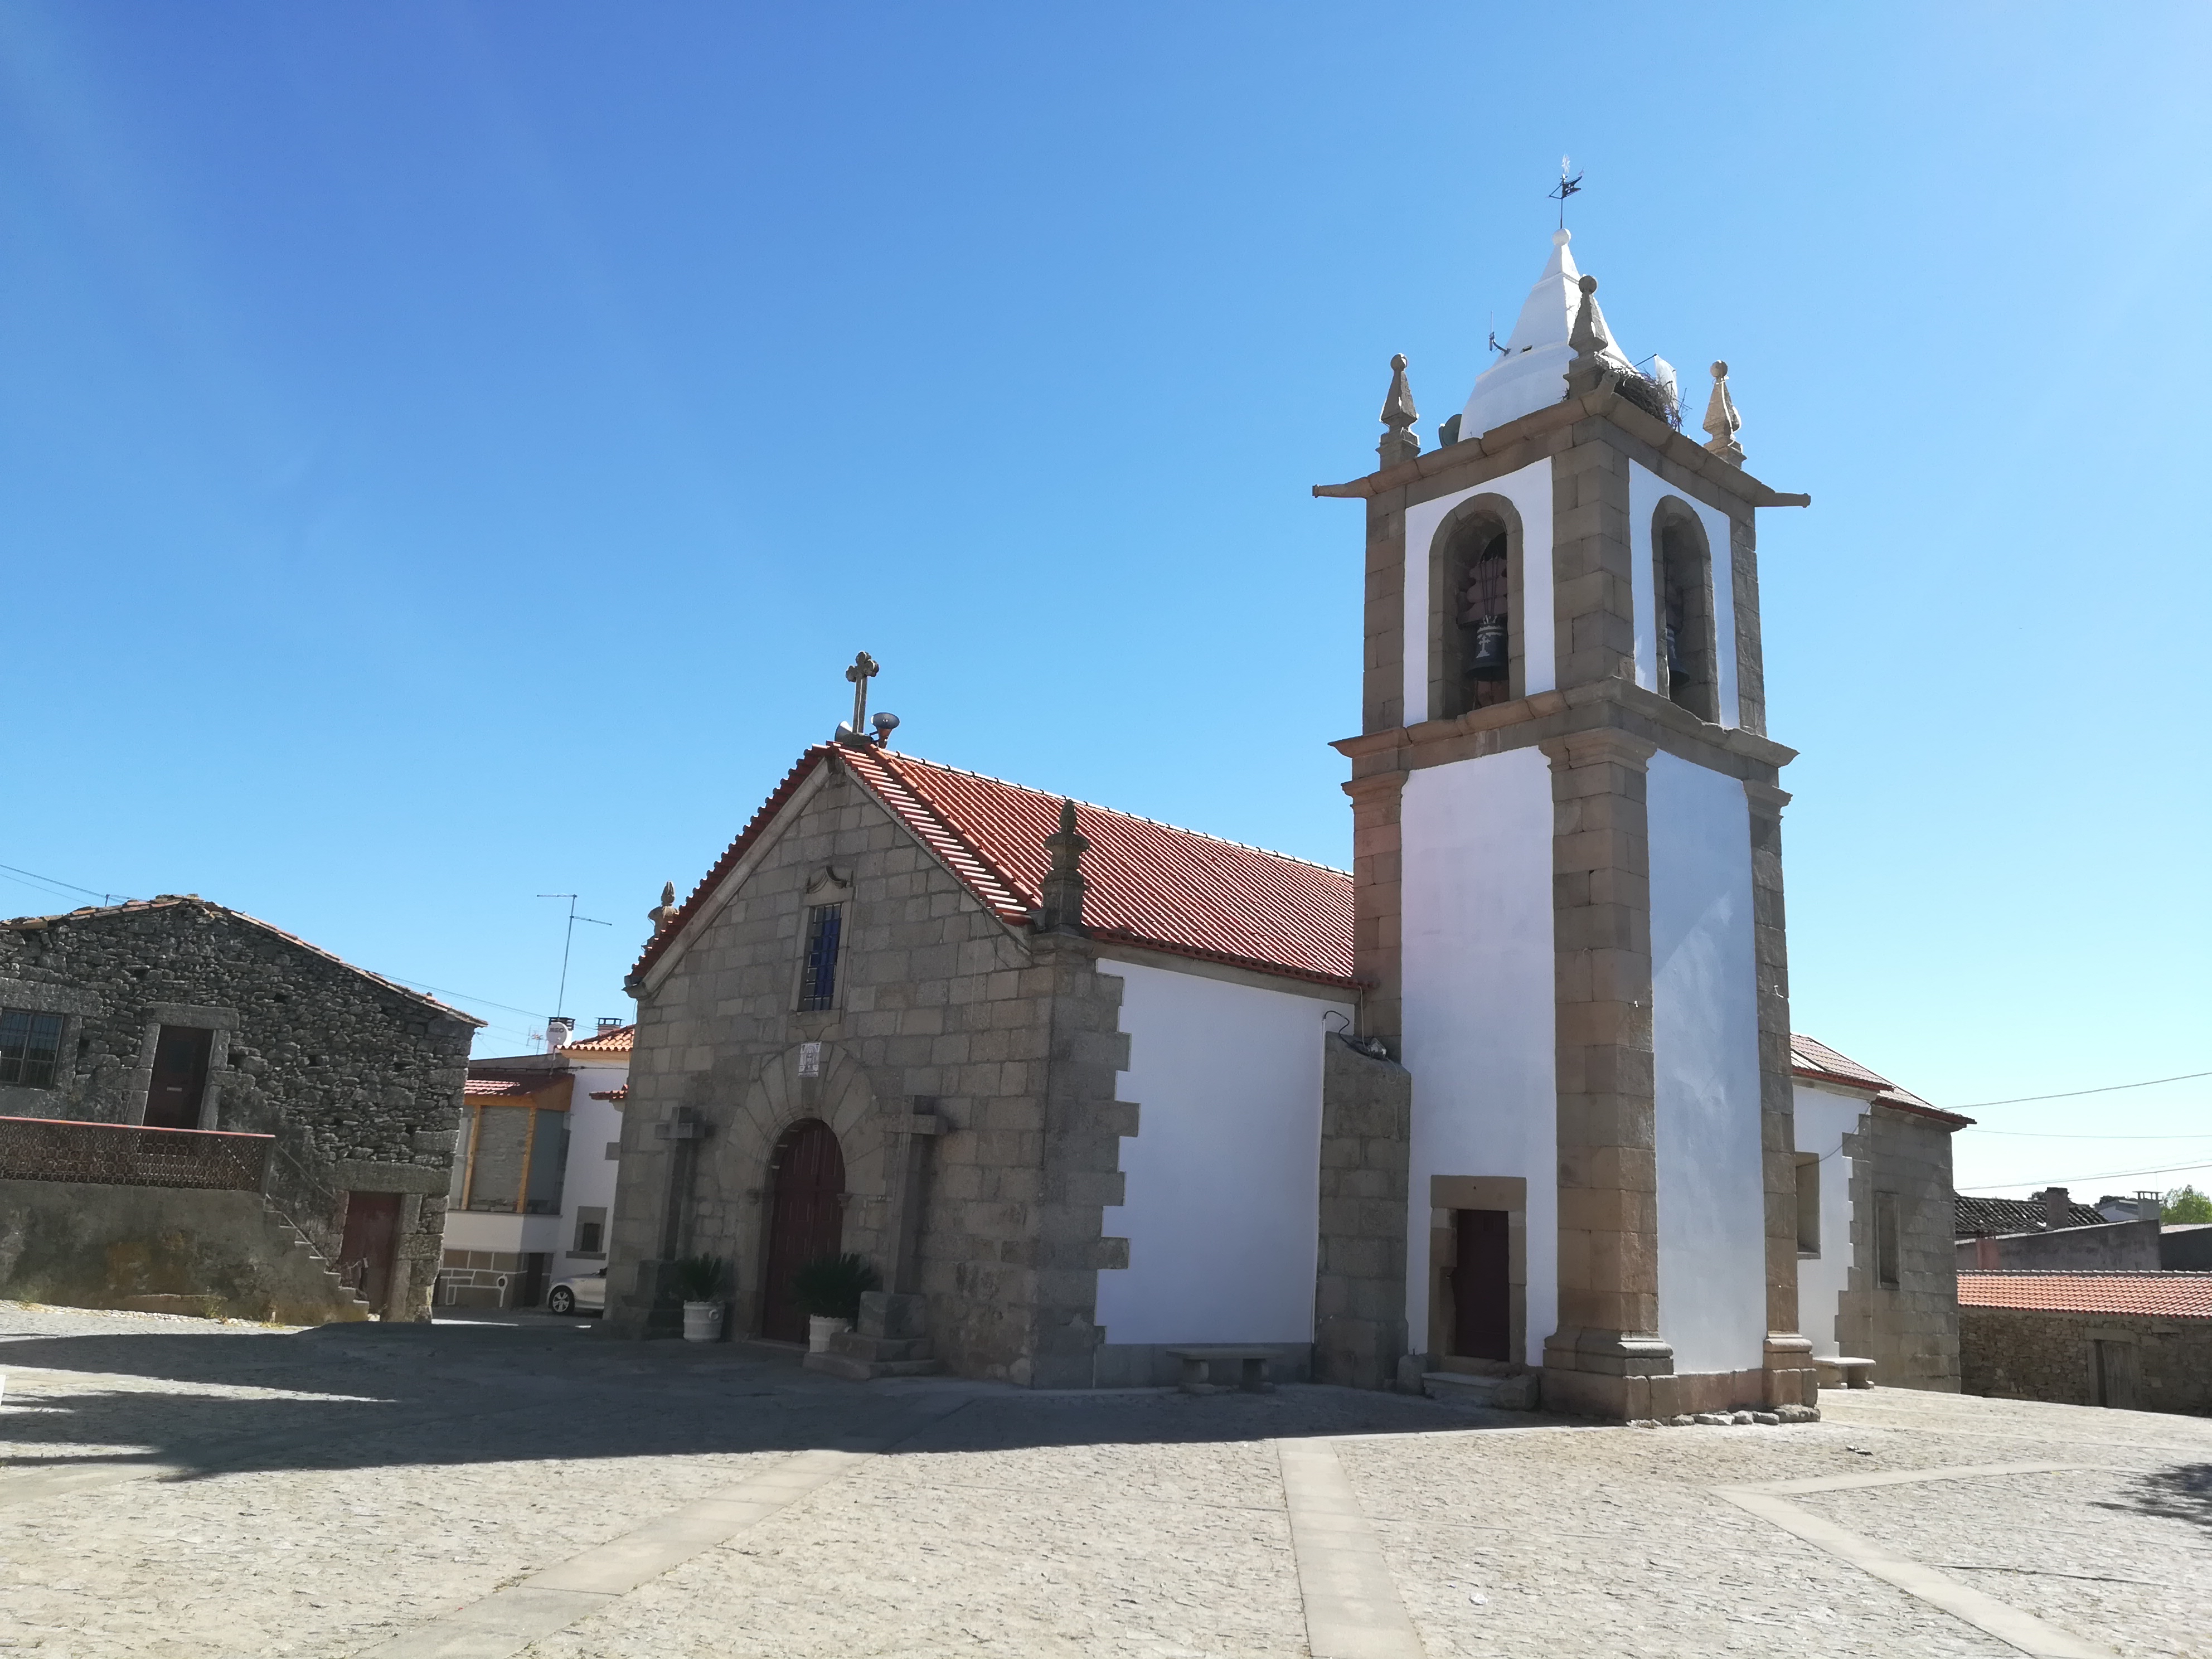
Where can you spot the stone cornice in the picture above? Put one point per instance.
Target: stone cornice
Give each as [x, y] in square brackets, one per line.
[1550, 714]
[1605, 405]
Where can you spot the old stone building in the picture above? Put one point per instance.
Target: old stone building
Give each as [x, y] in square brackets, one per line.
[197, 1106]
[1515, 1096]
[2134, 1341]
[1876, 1276]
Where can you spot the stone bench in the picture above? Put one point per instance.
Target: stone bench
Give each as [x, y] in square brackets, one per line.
[1198, 1365]
[1843, 1371]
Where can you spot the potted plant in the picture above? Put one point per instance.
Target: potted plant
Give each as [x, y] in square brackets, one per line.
[830, 1289]
[698, 1281]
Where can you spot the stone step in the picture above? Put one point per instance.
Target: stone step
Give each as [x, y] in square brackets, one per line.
[1499, 1393]
[853, 1345]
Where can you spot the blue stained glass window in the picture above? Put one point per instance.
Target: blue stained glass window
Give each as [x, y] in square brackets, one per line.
[819, 988]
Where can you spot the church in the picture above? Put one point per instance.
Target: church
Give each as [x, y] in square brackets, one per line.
[1513, 1096]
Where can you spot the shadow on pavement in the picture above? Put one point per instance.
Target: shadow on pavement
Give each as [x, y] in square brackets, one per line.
[371, 1395]
[2183, 1492]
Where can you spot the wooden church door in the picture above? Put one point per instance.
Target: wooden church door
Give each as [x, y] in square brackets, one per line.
[371, 1233]
[806, 1221]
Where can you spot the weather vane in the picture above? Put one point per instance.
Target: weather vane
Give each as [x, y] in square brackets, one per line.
[1564, 188]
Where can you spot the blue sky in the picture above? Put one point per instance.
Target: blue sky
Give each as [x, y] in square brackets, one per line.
[448, 453]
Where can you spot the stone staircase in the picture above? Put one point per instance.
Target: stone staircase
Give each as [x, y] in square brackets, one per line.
[340, 1302]
[892, 1340]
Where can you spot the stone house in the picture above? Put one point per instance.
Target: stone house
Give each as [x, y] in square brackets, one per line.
[1875, 1273]
[197, 1106]
[534, 1174]
[2139, 1342]
[1514, 1095]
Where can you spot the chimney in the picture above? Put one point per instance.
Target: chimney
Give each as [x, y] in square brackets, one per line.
[558, 1030]
[2055, 1204]
[611, 1023]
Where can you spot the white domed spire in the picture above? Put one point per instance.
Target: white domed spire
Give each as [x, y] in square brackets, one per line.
[1532, 372]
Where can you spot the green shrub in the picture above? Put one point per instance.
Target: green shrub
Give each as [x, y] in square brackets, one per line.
[2187, 1203]
[700, 1277]
[831, 1287]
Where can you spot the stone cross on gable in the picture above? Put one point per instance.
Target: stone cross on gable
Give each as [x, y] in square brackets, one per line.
[862, 671]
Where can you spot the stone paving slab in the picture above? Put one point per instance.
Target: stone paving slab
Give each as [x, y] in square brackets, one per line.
[241, 1491]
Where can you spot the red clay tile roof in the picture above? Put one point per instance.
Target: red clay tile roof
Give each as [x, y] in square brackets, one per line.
[476, 1088]
[615, 1095]
[617, 1040]
[172, 901]
[1816, 1062]
[1150, 884]
[1975, 1216]
[2162, 1295]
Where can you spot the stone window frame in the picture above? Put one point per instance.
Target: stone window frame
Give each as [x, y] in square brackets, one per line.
[75, 1006]
[1448, 1194]
[828, 885]
[1447, 677]
[1806, 1160]
[1673, 516]
[191, 1017]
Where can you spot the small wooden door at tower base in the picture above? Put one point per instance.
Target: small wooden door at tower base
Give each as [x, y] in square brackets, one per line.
[1482, 1290]
[806, 1221]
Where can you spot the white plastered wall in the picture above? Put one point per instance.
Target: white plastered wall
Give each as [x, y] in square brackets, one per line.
[1646, 490]
[1222, 1195]
[1705, 1047]
[1479, 987]
[1529, 489]
[1824, 1118]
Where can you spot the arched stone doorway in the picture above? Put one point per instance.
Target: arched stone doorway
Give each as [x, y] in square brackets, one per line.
[806, 1219]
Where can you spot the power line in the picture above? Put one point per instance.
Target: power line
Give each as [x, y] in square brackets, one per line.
[55, 884]
[2038, 1135]
[2099, 1174]
[2074, 1094]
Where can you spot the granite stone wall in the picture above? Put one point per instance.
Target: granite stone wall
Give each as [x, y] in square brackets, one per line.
[1359, 1302]
[358, 1080]
[2147, 1363]
[1909, 1328]
[1009, 1042]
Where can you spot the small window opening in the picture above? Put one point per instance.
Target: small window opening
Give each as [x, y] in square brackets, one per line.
[819, 988]
[1808, 1204]
[591, 1231]
[1886, 1240]
[1487, 644]
[30, 1048]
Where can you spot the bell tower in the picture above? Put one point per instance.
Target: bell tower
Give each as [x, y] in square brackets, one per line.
[1568, 879]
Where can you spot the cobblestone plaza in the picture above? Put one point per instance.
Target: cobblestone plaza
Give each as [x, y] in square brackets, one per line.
[179, 1487]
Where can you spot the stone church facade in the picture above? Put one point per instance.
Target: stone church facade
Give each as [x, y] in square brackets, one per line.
[1513, 1095]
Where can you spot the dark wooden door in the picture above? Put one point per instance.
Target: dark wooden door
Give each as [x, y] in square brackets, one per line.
[372, 1228]
[806, 1221]
[1482, 1290]
[180, 1070]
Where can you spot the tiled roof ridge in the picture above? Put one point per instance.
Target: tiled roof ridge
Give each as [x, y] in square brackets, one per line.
[1137, 817]
[171, 901]
[998, 890]
[2157, 1275]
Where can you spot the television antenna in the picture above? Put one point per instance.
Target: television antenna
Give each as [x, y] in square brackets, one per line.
[560, 1002]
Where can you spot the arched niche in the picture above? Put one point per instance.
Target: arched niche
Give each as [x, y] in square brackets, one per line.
[1682, 626]
[1474, 579]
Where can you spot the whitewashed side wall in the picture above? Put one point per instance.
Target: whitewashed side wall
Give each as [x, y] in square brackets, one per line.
[1823, 1120]
[1223, 1178]
[1529, 489]
[1704, 1044]
[1479, 1004]
[590, 1175]
[1646, 490]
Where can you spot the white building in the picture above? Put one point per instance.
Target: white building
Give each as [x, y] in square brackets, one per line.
[534, 1175]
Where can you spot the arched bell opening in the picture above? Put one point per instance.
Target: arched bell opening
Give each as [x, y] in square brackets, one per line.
[806, 1220]
[1682, 586]
[1475, 638]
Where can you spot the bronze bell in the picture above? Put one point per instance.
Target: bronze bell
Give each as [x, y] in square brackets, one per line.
[1490, 661]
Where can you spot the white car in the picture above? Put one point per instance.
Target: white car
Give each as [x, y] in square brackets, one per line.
[582, 1292]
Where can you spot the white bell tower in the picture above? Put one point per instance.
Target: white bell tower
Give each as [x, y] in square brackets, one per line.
[1569, 872]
